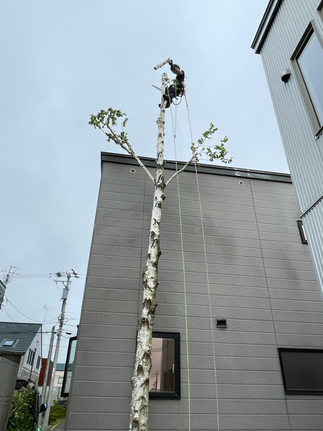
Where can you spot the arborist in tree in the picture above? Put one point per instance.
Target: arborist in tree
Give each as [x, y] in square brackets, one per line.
[177, 88]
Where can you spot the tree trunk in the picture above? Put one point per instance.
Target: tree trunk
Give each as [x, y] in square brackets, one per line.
[140, 378]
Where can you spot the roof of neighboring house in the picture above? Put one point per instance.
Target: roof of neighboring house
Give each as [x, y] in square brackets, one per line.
[60, 366]
[17, 337]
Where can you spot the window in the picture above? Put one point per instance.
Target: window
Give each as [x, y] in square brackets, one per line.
[31, 356]
[8, 343]
[309, 71]
[302, 231]
[69, 367]
[302, 370]
[60, 380]
[164, 381]
[38, 362]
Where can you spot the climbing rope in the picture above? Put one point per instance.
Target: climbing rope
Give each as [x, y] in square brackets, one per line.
[184, 273]
[207, 276]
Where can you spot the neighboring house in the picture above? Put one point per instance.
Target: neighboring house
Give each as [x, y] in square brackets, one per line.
[42, 376]
[20, 359]
[58, 382]
[265, 370]
[290, 42]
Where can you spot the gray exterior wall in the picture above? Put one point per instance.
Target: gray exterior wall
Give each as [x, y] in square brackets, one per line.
[262, 281]
[281, 29]
[8, 375]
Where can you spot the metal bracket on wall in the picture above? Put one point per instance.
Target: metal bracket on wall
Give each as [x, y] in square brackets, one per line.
[311, 207]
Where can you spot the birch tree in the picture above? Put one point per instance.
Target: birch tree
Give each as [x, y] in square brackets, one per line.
[107, 122]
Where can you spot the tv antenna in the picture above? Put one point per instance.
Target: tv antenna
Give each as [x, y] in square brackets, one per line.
[8, 273]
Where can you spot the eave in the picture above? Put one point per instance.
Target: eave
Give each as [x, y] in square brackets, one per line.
[265, 24]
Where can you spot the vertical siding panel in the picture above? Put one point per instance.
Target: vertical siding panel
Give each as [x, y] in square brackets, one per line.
[304, 153]
[314, 231]
[305, 161]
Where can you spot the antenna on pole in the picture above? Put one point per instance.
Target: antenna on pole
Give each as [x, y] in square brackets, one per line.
[13, 270]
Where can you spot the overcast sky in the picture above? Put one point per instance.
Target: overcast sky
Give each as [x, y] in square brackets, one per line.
[64, 60]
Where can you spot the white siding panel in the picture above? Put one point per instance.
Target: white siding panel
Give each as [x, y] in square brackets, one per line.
[314, 231]
[302, 150]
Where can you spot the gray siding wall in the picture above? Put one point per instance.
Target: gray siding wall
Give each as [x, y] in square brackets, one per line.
[304, 152]
[262, 281]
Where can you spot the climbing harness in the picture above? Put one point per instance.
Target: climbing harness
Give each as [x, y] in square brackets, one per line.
[180, 101]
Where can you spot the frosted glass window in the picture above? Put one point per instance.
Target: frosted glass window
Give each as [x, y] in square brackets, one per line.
[310, 62]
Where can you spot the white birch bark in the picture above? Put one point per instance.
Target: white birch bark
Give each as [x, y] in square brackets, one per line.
[140, 379]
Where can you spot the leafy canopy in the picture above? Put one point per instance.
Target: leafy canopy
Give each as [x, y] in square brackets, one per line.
[106, 121]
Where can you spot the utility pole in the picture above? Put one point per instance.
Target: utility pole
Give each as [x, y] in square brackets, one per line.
[66, 284]
[43, 394]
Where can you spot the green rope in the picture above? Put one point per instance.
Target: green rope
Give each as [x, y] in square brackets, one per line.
[184, 278]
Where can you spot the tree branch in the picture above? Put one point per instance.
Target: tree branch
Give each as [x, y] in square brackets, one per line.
[181, 170]
[127, 147]
[212, 152]
[103, 120]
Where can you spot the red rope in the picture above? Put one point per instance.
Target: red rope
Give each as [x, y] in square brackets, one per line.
[207, 277]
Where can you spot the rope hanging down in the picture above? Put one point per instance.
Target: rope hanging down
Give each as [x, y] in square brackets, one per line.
[207, 276]
[184, 273]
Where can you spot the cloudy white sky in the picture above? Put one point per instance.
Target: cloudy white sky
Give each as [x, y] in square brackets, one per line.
[64, 60]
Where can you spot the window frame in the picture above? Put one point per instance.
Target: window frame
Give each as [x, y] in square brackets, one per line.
[13, 340]
[282, 367]
[317, 126]
[30, 353]
[302, 231]
[176, 336]
[38, 362]
[68, 371]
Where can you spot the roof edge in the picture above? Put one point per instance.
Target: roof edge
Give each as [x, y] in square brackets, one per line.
[265, 24]
[202, 168]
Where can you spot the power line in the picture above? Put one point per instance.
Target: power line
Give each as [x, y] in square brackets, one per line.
[6, 312]
[7, 300]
